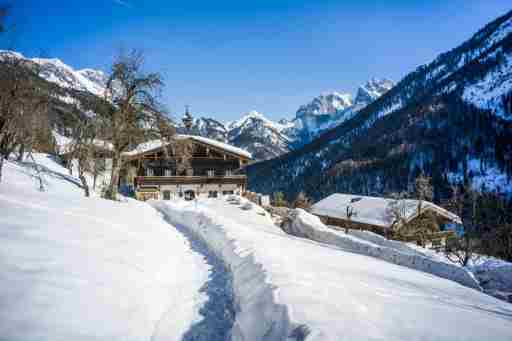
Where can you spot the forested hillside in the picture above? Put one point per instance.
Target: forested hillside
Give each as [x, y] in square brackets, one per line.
[432, 121]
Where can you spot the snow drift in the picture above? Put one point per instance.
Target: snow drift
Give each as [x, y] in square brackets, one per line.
[76, 268]
[302, 224]
[258, 316]
[290, 288]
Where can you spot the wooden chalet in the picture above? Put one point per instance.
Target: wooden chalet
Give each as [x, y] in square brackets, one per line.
[213, 169]
[374, 214]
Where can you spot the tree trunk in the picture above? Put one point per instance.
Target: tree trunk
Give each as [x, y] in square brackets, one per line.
[21, 152]
[94, 180]
[1, 166]
[114, 177]
[84, 184]
[82, 178]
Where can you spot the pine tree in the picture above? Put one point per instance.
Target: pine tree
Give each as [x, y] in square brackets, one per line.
[279, 200]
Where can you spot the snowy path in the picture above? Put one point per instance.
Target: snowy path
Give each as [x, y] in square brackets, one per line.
[218, 312]
[73, 268]
[283, 282]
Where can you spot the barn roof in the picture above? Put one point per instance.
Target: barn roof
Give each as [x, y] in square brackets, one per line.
[373, 210]
[157, 144]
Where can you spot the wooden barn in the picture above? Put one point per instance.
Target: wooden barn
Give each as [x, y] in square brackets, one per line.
[378, 215]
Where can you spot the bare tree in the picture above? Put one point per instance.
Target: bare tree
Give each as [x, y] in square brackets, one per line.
[302, 201]
[397, 212]
[425, 223]
[82, 148]
[183, 151]
[462, 249]
[135, 108]
[350, 212]
[23, 106]
[423, 190]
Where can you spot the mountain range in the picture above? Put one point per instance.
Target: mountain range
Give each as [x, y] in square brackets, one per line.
[267, 139]
[264, 138]
[450, 119]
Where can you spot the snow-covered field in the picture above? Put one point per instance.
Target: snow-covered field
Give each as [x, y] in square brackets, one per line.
[291, 286]
[76, 268]
[73, 268]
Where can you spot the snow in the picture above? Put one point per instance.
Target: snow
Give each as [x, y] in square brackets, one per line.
[279, 127]
[303, 224]
[154, 144]
[221, 145]
[487, 93]
[483, 175]
[64, 143]
[76, 268]
[371, 210]
[396, 105]
[496, 277]
[55, 71]
[290, 286]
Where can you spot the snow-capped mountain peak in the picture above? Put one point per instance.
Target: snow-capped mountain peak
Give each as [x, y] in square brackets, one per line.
[326, 103]
[331, 109]
[253, 117]
[372, 90]
[56, 71]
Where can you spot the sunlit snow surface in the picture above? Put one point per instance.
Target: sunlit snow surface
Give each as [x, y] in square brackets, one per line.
[345, 296]
[73, 268]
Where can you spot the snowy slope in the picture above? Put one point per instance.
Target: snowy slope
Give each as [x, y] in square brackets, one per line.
[89, 269]
[327, 293]
[488, 92]
[55, 71]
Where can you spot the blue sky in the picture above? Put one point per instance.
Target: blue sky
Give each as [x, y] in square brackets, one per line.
[224, 58]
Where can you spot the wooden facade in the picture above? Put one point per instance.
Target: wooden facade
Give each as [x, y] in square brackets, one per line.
[207, 170]
[437, 240]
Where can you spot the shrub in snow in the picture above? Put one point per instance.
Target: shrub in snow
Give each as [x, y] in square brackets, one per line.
[247, 206]
[496, 278]
[302, 224]
[234, 200]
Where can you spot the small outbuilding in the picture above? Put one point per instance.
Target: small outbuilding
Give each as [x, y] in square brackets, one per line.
[381, 215]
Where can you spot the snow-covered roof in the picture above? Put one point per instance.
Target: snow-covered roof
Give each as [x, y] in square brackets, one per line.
[373, 210]
[64, 143]
[155, 144]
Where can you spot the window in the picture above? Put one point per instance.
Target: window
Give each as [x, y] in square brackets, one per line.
[228, 192]
[229, 172]
[212, 194]
[167, 195]
[150, 172]
[210, 172]
[168, 172]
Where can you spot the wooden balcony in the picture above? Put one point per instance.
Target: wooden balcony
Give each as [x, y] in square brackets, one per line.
[190, 180]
